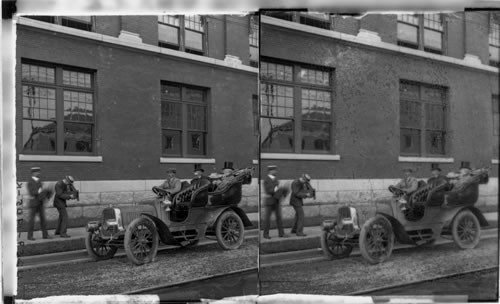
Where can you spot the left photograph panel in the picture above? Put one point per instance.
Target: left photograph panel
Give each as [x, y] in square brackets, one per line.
[137, 155]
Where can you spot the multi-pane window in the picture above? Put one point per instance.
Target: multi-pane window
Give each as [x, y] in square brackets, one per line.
[79, 22]
[423, 119]
[296, 108]
[184, 120]
[184, 33]
[253, 40]
[496, 132]
[57, 109]
[424, 32]
[320, 20]
[494, 40]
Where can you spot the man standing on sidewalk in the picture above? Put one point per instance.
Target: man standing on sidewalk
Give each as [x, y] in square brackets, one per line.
[63, 193]
[299, 192]
[35, 203]
[273, 194]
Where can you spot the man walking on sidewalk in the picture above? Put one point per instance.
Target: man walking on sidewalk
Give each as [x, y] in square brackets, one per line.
[63, 193]
[35, 203]
[299, 192]
[273, 194]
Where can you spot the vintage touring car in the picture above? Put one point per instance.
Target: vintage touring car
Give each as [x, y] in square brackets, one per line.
[431, 213]
[197, 211]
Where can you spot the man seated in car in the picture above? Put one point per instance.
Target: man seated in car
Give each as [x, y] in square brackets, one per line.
[171, 185]
[460, 179]
[226, 171]
[405, 187]
[437, 178]
[199, 179]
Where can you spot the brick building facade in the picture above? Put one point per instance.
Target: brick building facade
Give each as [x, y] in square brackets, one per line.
[354, 99]
[115, 100]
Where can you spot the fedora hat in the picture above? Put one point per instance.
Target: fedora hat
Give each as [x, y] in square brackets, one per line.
[70, 179]
[435, 167]
[171, 170]
[272, 167]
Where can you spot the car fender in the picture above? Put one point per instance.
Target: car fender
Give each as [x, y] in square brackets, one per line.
[482, 220]
[399, 230]
[215, 216]
[163, 230]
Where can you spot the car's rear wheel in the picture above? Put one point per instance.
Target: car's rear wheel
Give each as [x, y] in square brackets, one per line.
[97, 248]
[229, 230]
[466, 230]
[376, 240]
[333, 248]
[141, 241]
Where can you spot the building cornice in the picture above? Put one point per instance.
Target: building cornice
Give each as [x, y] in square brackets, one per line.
[138, 45]
[367, 40]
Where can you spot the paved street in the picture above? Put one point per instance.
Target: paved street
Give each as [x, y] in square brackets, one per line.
[354, 274]
[118, 275]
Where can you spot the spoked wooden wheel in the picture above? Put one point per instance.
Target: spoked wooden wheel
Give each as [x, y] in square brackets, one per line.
[229, 230]
[333, 247]
[97, 248]
[141, 241]
[376, 240]
[466, 230]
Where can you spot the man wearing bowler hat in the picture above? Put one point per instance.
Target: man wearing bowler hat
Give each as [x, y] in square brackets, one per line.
[273, 194]
[35, 203]
[199, 179]
[63, 193]
[437, 178]
[299, 192]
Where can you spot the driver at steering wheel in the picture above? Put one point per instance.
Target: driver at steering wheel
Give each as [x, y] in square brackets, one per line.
[171, 185]
[405, 187]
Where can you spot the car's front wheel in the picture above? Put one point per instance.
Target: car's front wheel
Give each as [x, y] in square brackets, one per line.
[141, 241]
[333, 247]
[97, 248]
[466, 230]
[229, 230]
[376, 239]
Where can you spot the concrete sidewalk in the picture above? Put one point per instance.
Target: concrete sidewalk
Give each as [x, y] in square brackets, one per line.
[313, 238]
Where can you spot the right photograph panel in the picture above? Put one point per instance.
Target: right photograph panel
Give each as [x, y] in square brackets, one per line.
[379, 153]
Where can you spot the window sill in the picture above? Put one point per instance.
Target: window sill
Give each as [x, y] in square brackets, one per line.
[299, 156]
[494, 161]
[60, 158]
[419, 159]
[186, 160]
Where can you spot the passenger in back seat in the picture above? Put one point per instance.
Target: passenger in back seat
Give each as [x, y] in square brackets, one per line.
[437, 178]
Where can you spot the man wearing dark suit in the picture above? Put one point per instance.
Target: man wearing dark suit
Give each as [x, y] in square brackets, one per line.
[437, 178]
[273, 194]
[299, 192]
[199, 179]
[35, 203]
[63, 193]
